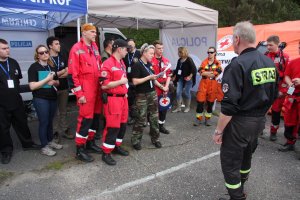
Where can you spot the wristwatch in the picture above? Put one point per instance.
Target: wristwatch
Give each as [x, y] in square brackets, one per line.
[217, 132]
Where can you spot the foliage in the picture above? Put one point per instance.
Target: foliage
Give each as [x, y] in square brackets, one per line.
[231, 12]
[257, 11]
[141, 36]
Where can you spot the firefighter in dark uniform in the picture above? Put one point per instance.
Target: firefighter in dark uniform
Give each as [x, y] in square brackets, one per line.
[131, 58]
[250, 87]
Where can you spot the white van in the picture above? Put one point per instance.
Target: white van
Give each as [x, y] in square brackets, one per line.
[23, 43]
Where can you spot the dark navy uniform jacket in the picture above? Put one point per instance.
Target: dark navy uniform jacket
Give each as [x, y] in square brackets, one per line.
[249, 84]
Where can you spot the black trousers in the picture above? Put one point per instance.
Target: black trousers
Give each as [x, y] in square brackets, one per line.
[240, 139]
[18, 119]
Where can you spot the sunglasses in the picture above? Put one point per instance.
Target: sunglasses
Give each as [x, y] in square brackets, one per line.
[43, 52]
[210, 52]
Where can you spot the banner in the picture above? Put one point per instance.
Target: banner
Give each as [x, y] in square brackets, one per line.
[73, 6]
[196, 39]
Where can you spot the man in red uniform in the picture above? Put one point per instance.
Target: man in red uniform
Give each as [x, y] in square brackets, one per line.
[291, 105]
[281, 60]
[84, 66]
[160, 64]
[115, 104]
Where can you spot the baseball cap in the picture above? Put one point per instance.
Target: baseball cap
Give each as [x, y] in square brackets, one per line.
[120, 43]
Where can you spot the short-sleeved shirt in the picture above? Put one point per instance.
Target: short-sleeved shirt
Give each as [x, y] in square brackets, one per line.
[141, 70]
[60, 63]
[10, 97]
[293, 71]
[113, 70]
[33, 76]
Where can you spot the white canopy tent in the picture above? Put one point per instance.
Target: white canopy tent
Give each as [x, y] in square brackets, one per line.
[181, 23]
[150, 14]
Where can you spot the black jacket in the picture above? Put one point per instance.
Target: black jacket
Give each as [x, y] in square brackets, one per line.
[187, 67]
[249, 84]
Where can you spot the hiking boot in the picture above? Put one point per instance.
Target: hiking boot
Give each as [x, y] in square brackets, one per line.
[82, 155]
[120, 151]
[33, 146]
[137, 146]
[46, 150]
[106, 157]
[157, 144]
[163, 130]
[287, 147]
[273, 137]
[91, 147]
[54, 145]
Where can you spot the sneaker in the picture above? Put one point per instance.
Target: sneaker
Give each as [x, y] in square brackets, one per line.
[54, 145]
[178, 109]
[47, 151]
[187, 109]
[157, 144]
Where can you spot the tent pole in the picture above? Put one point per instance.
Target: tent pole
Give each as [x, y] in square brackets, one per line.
[78, 29]
[86, 18]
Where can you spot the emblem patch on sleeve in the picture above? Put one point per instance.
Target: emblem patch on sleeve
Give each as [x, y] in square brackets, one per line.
[225, 87]
[104, 73]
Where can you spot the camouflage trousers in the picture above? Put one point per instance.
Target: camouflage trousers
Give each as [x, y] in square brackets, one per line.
[146, 103]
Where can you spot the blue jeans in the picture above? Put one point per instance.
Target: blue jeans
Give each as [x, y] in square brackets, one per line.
[186, 90]
[45, 110]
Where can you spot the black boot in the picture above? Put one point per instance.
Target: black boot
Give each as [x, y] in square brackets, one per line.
[91, 147]
[120, 151]
[82, 155]
[106, 157]
[287, 147]
[163, 130]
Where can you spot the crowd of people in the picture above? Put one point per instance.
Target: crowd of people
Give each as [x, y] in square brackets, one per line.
[125, 85]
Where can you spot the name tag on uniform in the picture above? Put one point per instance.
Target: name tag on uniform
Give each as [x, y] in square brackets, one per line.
[277, 60]
[129, 69]
[179, 72]
[291, 90]
[10, 84]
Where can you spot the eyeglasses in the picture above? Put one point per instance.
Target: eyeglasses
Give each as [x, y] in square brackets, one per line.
[210, 52]
[43, 52]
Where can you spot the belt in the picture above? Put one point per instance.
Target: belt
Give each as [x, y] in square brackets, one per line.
[116, 95]
[204, 77]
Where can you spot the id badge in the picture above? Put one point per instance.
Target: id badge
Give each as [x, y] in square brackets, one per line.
[10, 84]
[127, 85]
[179, 72]
[291, 90]
[151, 84]
[129, 69]
[165, 75]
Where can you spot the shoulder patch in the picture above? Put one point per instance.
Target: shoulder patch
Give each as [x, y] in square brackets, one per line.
[225, 87]
[135, 59]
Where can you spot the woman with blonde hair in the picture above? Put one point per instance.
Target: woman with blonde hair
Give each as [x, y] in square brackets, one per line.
[42, 80]
[185, 78]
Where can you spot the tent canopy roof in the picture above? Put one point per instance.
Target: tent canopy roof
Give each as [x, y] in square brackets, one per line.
[150, 14]
[39, 15]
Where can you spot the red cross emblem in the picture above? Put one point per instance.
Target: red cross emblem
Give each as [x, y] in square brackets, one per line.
[225, 42]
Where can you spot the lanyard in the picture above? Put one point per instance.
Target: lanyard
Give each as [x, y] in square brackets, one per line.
[45, 67]
[57, 64]
[6, 71]
[148, 70]
[130, 60]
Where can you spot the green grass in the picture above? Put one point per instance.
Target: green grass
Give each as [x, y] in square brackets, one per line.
[57, 165]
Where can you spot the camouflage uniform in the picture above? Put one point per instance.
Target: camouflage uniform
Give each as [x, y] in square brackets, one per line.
[146, 103]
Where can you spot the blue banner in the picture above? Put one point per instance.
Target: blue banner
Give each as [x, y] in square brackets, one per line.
[72, 6]
[21, 21]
